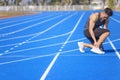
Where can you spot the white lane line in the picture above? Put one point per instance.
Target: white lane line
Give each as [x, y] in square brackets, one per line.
[41, 56]
[116, 14]
[23, 22]
[56, 56]
[33, 16]
[23, 19]
[18, 37]
[52, 54]
[112, 41]
[35, 57]
[38, 34]
[115, 20]
[13, 32]
[117, 53]
[2, 35]
[3, 63]
[5, 34]
[45, 46]
[32, 41]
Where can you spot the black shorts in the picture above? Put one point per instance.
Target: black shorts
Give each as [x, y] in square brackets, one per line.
[98, 32]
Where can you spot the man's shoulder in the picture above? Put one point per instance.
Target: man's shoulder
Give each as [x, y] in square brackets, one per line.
[94, 16]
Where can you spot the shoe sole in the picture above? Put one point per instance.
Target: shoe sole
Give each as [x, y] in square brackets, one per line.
[97, 52]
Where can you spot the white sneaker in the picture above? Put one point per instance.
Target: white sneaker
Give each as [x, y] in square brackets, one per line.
[97, 50]
[81, 47]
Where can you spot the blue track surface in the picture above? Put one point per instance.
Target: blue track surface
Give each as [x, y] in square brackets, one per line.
[44, 47]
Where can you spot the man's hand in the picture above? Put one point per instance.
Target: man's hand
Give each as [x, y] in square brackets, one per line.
[96, 44]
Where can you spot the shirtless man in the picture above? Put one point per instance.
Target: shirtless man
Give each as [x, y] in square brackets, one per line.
[96, 31]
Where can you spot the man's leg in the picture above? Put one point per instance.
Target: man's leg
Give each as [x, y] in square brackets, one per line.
[82, 45]
[103, 37]
[92, 42]
[93, 49]
[88, 45]
[100, 34]
[101, 46]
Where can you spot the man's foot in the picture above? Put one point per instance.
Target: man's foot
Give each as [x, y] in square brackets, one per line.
[81, 47]
[97, 50]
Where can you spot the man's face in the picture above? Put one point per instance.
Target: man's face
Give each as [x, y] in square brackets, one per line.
[105, 16]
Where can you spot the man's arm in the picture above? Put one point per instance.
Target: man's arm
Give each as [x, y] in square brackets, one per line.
[91, 26]
[106, 24]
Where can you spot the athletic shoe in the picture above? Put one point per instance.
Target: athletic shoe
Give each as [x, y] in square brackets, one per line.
[81, 47]
[97, 50]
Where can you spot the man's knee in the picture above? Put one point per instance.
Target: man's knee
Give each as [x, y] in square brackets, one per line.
[107, 32]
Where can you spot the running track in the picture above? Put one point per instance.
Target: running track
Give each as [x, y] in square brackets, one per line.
[44, 46]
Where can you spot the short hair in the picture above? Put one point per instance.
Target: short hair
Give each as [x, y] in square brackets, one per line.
[108, 11]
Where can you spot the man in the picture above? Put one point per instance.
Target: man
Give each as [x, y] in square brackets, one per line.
[96, 31]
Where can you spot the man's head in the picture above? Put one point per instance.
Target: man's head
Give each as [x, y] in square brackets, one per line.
[107, 13]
